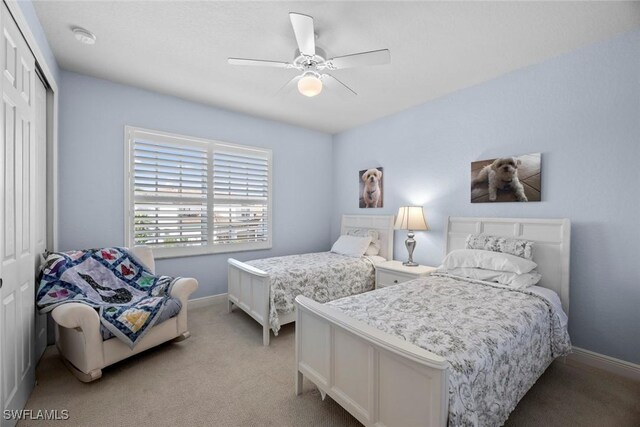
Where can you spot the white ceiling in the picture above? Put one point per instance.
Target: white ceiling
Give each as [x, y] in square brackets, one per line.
[180, 48]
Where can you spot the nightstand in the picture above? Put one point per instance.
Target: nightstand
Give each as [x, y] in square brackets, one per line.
[393, 272]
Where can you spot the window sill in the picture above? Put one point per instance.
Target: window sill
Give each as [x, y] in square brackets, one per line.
[165, 253]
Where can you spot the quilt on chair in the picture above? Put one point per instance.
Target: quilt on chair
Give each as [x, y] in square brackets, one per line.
[129, 298]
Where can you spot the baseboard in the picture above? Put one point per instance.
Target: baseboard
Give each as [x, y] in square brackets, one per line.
[606, 363]
[206, 301]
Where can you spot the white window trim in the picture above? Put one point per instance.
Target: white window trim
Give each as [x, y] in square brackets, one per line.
[130, 132]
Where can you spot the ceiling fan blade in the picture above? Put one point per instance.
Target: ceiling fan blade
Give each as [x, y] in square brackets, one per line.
[334, 84]
[375, 57]
[289, 85]
[305, 35]
[259, 63]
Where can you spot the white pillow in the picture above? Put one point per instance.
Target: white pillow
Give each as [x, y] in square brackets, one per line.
[374, 246]
[351, 245]
[373, 249]
[476, 258]
[513, 280]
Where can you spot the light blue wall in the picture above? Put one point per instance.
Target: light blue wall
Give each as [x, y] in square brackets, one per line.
[26, 6]
[93, 115]
[582, 111]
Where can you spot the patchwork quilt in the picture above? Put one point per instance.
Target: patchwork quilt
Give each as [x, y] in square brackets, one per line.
[498, 341]
[129, 298]
[322, 276]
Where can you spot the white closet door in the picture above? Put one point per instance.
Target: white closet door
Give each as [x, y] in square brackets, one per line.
[17, 216]
[40, 232]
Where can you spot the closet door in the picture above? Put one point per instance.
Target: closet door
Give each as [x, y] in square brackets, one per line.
[40, 227]
[17, 216]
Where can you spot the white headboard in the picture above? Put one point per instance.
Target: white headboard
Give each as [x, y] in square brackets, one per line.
[382, 223]
[551, 250]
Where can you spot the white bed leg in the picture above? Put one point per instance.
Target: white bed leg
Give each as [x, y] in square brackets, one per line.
[229, 306]
[250, 289]
[323, 395]
[299, 378]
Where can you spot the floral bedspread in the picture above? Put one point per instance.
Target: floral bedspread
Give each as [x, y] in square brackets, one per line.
[497, 341]
[322, 276]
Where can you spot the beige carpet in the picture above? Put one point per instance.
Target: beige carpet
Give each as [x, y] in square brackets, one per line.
[223, 376]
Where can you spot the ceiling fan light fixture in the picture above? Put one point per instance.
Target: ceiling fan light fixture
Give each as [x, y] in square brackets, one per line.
[310, 85]
[311, 61]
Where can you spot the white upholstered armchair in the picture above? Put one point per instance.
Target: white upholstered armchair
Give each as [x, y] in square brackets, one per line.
[79, 340]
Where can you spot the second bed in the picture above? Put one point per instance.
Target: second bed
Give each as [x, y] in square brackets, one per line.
[266, 288]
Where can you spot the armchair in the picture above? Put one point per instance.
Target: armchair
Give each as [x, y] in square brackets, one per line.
[79, 340]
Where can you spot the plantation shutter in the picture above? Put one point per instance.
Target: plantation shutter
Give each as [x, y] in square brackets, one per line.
[240, 196]
[170, 194]
[188, 196]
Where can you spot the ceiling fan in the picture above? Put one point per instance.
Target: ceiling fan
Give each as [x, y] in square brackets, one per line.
[312, 61]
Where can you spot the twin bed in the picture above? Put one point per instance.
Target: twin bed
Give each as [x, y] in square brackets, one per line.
[266, 289]
[433, 351]
[441, 350]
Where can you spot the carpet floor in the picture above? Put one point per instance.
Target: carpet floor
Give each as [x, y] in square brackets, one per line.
[223, 376]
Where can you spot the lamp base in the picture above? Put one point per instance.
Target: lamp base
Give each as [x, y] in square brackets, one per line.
[410, 243]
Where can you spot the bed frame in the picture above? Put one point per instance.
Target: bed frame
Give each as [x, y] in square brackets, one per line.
[249, 286]
[383, 380]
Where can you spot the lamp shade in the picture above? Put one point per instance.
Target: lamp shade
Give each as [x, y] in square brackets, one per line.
[411, 218]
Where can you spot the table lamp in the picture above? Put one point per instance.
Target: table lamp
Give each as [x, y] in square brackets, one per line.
[410, 218]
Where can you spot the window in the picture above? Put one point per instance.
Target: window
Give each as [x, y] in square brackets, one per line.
[189, 196]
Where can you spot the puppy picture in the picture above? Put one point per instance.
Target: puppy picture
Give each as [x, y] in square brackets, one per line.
[506, 179]
[371, 191]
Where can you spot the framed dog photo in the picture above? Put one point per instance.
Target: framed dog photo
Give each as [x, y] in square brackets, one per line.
[506, 179]
[371, 188]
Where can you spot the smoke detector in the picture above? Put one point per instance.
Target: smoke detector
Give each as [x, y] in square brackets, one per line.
[83, 35]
